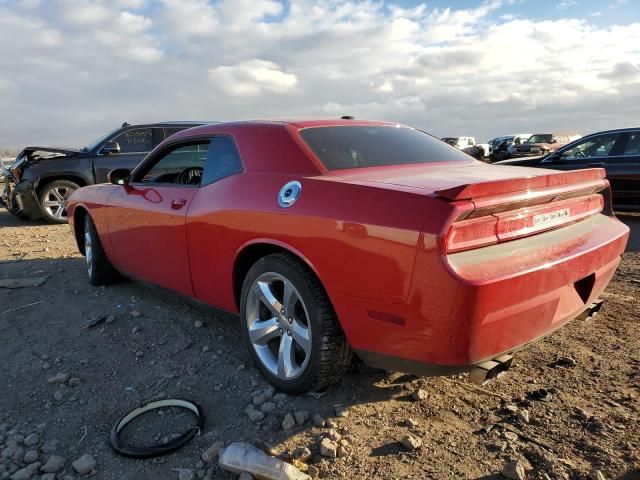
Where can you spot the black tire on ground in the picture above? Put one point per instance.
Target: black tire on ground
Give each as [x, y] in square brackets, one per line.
[330, 355]
[99, 268]
[53, 193]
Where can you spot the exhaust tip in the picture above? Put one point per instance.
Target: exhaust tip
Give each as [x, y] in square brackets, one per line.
[486, 371]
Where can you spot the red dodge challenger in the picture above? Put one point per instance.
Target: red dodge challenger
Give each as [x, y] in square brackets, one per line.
[329, 237]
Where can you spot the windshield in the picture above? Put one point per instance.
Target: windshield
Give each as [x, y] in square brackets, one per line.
[98, 141]
[540, 138]
[371, 146]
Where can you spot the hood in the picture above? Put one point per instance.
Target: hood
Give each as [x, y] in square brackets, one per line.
[435, 176]
[29, 151]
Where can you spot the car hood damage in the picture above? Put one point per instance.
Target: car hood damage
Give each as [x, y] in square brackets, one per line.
[36, 152]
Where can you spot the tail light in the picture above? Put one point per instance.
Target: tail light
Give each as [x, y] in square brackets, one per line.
[501, 227]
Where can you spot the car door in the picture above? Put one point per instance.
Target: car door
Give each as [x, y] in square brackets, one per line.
[590, 152]
[623, 170]
[135, 143]
[146, 217]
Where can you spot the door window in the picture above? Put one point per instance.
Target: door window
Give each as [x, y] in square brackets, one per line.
[598, 146]
[633, 144]
[223, 160]
[182, 164]
[136, 140]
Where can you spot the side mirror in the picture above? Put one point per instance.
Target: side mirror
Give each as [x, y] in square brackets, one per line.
[119, 176]
[110, 148]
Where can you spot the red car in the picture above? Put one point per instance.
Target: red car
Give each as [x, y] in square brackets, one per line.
[329, 237]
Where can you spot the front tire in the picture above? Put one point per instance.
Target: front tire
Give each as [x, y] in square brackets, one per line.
[53, 200]
[290, 327]
[99, 268]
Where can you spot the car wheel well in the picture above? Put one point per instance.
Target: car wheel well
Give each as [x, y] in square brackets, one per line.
[250, 255]
[78, 226]
[46, 181]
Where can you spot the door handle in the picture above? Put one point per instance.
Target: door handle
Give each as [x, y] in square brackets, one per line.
[178, 203]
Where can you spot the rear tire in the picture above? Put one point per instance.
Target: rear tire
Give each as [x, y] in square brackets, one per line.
[290, 327]
[99, 268]
[53, 200]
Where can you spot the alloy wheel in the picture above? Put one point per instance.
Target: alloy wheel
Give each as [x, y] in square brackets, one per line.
[88, 250]
[55, 201]
[278, 325]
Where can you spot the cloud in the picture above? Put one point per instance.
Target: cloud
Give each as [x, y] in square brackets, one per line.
[478, 71]
[252, 77]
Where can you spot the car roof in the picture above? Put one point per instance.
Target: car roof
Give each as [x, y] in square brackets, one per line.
[177, 123]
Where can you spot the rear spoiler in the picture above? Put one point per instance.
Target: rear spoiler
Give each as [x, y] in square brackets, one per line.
[513, 185]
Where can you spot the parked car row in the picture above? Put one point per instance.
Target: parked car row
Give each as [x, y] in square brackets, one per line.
[469, 146]
[528, 145]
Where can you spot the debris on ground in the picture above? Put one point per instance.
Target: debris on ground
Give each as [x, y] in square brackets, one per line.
[242, 457]
[22, 282]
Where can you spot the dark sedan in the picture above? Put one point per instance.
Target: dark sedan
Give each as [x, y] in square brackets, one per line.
[617, 151]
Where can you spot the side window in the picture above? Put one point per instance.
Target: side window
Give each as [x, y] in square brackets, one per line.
[183, 165]
[170, 131]
[223, 160]
[633, 144]
[136, 140]
[598, 146]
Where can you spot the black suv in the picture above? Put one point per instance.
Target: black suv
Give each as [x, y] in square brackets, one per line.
[42, 178]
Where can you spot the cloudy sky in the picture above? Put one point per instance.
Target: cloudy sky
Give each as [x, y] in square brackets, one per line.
[70, 70]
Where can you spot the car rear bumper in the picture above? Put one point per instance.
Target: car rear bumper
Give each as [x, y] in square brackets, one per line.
[473, 306]
[21, 199]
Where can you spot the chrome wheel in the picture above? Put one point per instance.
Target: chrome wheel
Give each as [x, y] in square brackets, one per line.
[55, 201]
[88, 250]
[278, 325]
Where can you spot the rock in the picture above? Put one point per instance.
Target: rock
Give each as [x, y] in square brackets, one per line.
[59, 378]
[26, 473]
[245, 476]
[317, 420]
[268, 407]
[289, 422]
[596, 475]
[302, 453]
[513, 470]
[206, 348]
[211, 453]
[46, 366]
[511, 436]
[84, 464]
[411, 442]
[279, 397]
[13, 451]
[58, 395]
[420, 394]
[523, 416]
[566, 362]
[50, 446]
[135, 329]
[253, 414]
[341, 411]
[73, 381]
[313, 471]
[333, 435]
[198, 324]
[410, 422]
[110, 319]
[31, 456]
[31, 440]
[54, 464]
[48, 476]
[301, 416]
[511, 408]
[330, 423]
[136, 313]
[185, 474]
[328, 448]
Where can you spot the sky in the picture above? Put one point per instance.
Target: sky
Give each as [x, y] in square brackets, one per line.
[72, 70]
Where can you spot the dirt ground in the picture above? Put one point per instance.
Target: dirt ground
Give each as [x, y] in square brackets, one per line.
[173, 348]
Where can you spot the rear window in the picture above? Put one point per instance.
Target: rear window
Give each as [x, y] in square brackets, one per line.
[372, 146]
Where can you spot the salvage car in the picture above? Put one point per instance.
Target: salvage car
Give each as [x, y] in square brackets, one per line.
[469, 146]
[329, 237]
[542, 144]
[499, 146]
[41, 179]
[617, 151]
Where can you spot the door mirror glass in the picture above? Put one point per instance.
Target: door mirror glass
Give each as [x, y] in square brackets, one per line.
[110, 148]
[119, 176]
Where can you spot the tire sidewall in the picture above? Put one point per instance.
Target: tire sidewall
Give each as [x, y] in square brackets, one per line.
[284, 268]
[43, 194]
